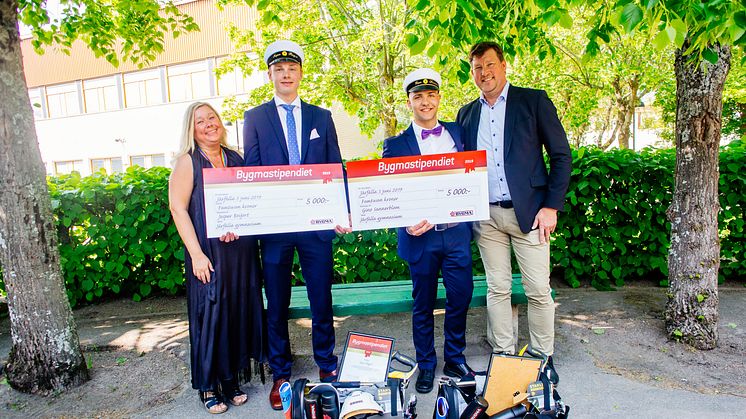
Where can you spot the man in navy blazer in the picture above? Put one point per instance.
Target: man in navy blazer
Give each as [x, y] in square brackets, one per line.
[430, 249]
[515, 125]
[284, 131]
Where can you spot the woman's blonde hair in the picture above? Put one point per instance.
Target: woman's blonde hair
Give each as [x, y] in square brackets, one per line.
[187, 143]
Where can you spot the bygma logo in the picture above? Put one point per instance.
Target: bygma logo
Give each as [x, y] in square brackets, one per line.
[464, 213]
[322, 221]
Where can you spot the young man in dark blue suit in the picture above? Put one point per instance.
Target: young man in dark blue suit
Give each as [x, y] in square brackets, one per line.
[283, 131]
[431, 249]
[515, 125]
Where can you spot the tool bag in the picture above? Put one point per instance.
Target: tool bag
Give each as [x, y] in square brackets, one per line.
[545, 404]
[315, 400]
[459, 399]
[462, 400]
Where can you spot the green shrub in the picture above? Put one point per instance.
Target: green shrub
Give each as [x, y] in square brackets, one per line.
[732, 188]
[117, 237]
[116, 234]
[614, 226]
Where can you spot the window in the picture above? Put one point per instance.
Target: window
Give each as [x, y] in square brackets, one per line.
[149, 160]
[35, 96]
[188, 81]
[158, 160]
[109, 164]
[235, 82]
[142, 88]
[101, 94]
[62, 100]
[137, 161]
[67, 167]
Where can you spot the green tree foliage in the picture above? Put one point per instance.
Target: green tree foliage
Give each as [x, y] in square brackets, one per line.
[537, 30]
[595, 98]
[355, 51]
[115, 30]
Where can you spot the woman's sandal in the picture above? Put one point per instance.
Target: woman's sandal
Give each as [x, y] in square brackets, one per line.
[212, 402]
[236, 392]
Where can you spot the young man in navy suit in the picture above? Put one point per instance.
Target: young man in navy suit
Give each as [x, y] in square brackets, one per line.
[430, 249]
[515, 125]
[283, 131]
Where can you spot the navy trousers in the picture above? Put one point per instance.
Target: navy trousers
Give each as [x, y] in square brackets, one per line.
[316, 263]
[448, 252]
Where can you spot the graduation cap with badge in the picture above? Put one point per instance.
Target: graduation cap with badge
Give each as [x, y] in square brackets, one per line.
[283, 51]
[422, 79]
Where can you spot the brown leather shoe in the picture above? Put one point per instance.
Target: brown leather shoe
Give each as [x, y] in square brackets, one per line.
[274, 394]
[327, 377]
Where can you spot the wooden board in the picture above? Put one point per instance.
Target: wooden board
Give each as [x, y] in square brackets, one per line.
[508, 374]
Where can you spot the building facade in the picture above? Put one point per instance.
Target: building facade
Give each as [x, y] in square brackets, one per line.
[91, 115]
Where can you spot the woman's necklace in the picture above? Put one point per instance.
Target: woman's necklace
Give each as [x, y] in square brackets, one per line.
[222, 157]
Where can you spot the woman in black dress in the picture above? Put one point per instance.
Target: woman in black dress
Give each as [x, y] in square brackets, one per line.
[223, 279]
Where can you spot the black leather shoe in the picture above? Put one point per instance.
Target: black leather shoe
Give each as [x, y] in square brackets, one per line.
[551, 372]
[424, 382]
[457, 370]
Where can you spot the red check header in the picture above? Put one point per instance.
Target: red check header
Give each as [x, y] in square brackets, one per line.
[466, 160]
[257, 174]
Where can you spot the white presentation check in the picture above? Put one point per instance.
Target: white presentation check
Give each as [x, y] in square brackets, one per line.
[274, 199]
[402, 191]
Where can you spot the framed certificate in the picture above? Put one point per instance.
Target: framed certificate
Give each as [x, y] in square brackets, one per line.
[506, 376]
[402, 191]
[274, 199]
[366, 358]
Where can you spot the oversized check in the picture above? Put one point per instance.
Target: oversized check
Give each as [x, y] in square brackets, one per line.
[274, 199]
[402, 191]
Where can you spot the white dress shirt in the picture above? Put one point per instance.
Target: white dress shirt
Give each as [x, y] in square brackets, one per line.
[491, 137]
[434, 144]
[298, 120]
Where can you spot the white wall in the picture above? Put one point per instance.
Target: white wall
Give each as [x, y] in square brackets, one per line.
[151, 130]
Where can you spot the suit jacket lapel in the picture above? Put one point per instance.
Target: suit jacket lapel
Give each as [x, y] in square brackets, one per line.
[274, 120]
[412, 141]
[510, 115]
[471, 138]
[306, 125]
[455, 134]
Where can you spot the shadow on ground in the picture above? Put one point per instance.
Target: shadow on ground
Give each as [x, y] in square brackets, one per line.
[611, 353]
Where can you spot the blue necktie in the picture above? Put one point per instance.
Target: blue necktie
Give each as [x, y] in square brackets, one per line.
[293, 153]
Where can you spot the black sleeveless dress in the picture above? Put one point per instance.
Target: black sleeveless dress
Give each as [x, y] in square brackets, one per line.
[227, 325]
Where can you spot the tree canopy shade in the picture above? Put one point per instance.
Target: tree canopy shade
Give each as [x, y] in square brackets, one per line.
[596, 98]
[443, 26]
[355, 54]
[703, 33]
[45, 356]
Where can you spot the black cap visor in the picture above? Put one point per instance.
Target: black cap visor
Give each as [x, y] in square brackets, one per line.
[424, 84]
[283, 56]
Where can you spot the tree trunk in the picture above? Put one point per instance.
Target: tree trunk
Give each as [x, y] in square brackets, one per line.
[386, 74]
[625, 105]
[694, 256]
[602, 131]
[45, 356]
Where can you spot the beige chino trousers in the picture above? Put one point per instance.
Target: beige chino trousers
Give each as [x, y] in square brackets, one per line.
[495, 237]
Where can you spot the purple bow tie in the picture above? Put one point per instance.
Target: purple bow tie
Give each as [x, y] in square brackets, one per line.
[435, 131]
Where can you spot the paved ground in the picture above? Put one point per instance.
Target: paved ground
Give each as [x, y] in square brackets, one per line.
[611, 354]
